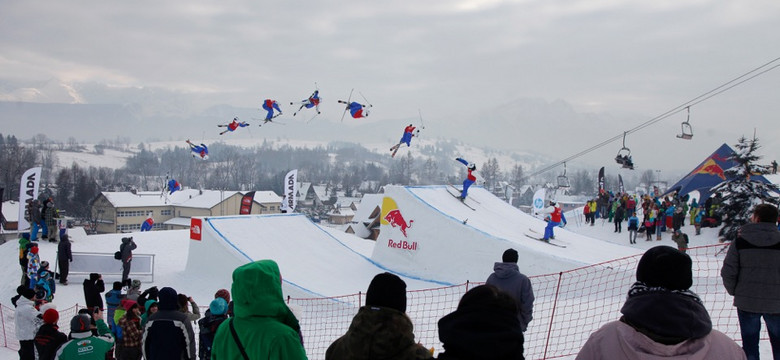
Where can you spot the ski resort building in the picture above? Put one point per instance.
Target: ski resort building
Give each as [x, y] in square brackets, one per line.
[117, 212]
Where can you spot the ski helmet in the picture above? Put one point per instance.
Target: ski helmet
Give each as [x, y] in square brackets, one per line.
[472, 167]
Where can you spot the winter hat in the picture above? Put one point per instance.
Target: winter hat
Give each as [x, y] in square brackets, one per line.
[510, 256]
[34, 249]
[218, 306]
[223, 293]
[387, 290]
[94, 276]
[135, 284]
[26, 236]
[168, 299]
[51, 316]
[117, 285]
[25, 292]
[80, 323]
[666, 267]
[44, 264]
[128, 304]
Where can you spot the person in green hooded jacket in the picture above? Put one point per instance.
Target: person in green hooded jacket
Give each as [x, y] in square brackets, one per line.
[265, 328]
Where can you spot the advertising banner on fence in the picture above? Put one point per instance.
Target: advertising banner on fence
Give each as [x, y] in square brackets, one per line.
[538, 201]
[28, 191]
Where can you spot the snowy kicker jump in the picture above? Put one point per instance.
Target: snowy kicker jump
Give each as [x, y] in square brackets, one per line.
[426, 232]
[313, 262]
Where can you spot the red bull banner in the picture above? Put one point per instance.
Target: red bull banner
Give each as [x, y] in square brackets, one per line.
[196, 226]
[246, 203]
[392, 216]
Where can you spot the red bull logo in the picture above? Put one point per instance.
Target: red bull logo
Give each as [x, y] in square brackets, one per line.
[403, 244]
[710, 167]
[395, 219]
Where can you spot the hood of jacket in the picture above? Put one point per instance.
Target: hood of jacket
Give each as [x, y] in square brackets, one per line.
[149, 304]
[506, 270]
[257, 291]
[667, 317]
[760, 234]
[378, 332]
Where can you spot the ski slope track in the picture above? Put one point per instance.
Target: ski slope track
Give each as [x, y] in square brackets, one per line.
[428, 233]
[304, 251]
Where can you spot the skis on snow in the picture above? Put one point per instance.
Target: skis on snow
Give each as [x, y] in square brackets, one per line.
[536, 236]
[462, 201]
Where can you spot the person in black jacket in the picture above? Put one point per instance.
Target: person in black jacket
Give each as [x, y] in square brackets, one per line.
[93, 289]
[126, 249]
[64, 258]
[168, 333]
[216, 314]
[484, 326]
[49, 337]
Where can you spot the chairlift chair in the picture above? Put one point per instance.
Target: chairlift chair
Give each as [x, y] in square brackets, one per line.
[563, 181]
[686, 128]
[623, 156]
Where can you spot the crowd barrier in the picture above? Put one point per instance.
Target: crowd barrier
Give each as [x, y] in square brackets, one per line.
[569, 306]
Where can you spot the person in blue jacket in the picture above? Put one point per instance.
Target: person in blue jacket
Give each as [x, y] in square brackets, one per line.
[312, 102]
[201, 150]
[173, 185]
[355, 109]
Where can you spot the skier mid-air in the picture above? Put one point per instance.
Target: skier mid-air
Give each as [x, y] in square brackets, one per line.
[356, 109]
[201, 150]
[235, 124]
[406, 138]
[312, 102]
[269, 106]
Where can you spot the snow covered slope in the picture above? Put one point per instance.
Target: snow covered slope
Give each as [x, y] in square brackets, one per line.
[426, 232]
[313, 261]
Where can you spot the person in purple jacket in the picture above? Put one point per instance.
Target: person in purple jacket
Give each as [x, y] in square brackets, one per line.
[507, 277]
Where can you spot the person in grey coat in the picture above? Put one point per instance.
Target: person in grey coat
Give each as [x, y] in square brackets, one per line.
[751, 273]
[506, 276]
[126, 249]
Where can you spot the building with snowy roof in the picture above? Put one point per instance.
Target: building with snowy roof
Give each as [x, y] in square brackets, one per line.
[116, 212]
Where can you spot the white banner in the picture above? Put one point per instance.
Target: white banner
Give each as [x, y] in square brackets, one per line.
[290, 186]
[538, 201]
[28, 191]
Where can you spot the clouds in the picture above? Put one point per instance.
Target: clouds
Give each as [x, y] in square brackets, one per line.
[452, 59]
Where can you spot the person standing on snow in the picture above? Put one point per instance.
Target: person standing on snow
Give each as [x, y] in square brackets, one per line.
[269, 106]
[751, 272]
[633, 226]
[235, 124]
[126, 250]
[506, 276]
[199, 150]
[405, 138]
[556, 215]
[470, 178]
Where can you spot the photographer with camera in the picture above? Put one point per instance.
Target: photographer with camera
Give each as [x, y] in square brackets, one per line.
[126, 252]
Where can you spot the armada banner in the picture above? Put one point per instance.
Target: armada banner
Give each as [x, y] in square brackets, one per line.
[28, 191]
[290, 195]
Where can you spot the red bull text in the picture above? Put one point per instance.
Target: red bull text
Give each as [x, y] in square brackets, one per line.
[403, 245]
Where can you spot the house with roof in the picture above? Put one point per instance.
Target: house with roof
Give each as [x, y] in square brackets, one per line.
[365, 223]
[118, 212]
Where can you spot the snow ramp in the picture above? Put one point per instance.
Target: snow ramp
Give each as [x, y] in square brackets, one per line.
[426, 232]
[313, 262]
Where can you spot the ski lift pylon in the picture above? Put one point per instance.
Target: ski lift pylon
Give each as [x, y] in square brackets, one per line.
[686, 128]
[563, 181]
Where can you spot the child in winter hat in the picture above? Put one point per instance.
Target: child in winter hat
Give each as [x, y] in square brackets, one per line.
[387, 290]
[51, 316]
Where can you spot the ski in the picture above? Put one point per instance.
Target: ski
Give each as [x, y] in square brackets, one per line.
[394, 149]
[545, 241]
[459, 190]
[462, 201]
[348, 100]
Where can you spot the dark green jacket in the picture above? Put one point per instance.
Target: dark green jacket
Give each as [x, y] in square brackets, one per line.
[378, 333]
[265, 325]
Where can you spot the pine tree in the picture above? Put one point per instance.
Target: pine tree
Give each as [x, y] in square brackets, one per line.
[741, 191]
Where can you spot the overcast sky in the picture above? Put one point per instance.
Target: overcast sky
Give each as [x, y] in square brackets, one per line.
[630, 59]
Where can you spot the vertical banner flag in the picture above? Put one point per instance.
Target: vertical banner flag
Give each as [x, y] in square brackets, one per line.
[2, 217]
[290, 186]
[620, 185]
[28, 191]
[601, 180]
[538, 201]
[196, 228]
[246, 203]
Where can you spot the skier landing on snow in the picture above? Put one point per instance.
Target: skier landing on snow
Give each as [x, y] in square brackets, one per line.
[269, 106]
[406, 138]
[355, 109]
[470, 178]
[312, 102]
[199, 150]
[556, 216]
[233, 125]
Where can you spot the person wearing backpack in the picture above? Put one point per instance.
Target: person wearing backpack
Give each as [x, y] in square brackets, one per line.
[208, 326]
[126, 252]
